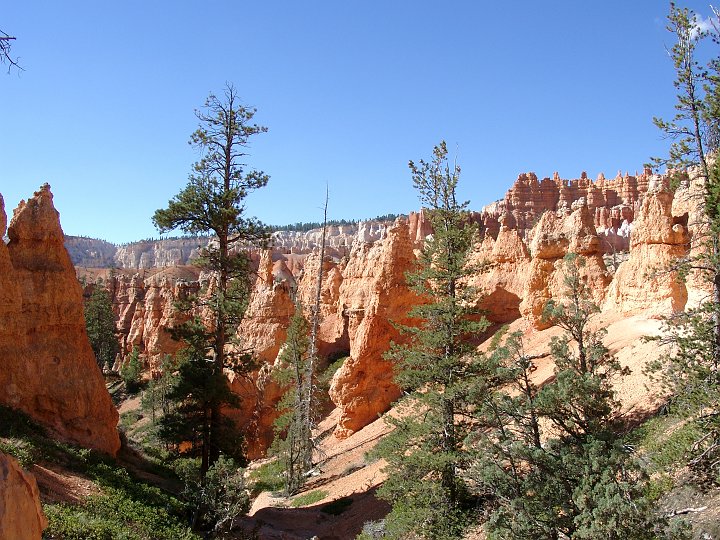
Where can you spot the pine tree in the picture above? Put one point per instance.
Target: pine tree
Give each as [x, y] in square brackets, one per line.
[213, 203]
[293, 442]
[554, 461]
[438, 370]
[692, 372]
[197, 386]
[131, 371]
[100, 325]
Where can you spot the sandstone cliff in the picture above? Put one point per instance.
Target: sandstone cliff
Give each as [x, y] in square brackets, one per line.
[612, 203]
[48, 368]
[644, 281]
[21, 516]
[90, 252]
[523, 241]
[375, 295]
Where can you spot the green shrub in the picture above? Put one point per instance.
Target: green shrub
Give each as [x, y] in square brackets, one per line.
[114, 515]
[309, 498]
[24, 451]
[327, 375]
[127, 509]
[131, 372]
[127, 419]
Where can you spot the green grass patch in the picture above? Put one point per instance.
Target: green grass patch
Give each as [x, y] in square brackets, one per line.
[309, 498]
[267, 477]
[666, 441]
[658, 486]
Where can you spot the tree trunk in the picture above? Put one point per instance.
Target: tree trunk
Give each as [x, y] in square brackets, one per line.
[306, 427]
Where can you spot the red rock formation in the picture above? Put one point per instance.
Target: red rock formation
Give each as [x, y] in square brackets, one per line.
[419, 226]
[48, 368]
[333, 332]
[554, 236]
[263, 330]
[611, 202]
[373, 293]
[503, 266]
[144, 307]
[526, 237]
[643, 282]
[21, 516]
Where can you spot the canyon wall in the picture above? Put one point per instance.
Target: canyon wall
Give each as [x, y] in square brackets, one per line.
[47, 368]
[162, 253]
[523, 240]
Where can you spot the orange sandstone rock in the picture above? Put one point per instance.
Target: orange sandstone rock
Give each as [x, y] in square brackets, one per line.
[373, 293]
[263, 331]
[554, 236]
[21, 516]
[48, 369]
[658, 238]
[503, 269]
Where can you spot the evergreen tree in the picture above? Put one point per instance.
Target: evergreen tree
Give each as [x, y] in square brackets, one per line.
[197, 386]
[293, 442]
[438, 370]
[692, 372]
[156, 396]
[100, 325]
[299, 402]
[554, 462]
[131, 371]
[213, 203]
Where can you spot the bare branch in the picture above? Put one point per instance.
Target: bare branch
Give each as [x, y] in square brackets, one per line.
[6, 52]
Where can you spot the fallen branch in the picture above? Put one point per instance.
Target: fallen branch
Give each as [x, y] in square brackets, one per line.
[687, 510]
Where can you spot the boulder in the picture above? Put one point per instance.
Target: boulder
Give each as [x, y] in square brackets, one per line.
[21, 516]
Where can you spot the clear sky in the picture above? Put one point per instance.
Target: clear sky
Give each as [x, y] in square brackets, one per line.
[349, 90]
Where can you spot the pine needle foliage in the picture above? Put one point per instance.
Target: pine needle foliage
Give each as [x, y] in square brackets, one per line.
[293, 437]
[213, 203]
[438, 370]
[691, 373]
[551, 461]
[100, 325]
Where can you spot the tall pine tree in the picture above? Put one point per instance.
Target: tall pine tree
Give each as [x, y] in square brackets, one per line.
[213, 203]
[438, 370]
[293, 441]
[100, 325]
[691, 372]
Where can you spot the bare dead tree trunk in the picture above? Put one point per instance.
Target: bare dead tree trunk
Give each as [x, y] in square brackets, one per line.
[312, 359]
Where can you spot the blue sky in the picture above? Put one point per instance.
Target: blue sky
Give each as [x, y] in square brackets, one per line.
[349, 90]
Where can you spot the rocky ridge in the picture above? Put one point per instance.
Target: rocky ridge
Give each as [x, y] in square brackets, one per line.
[48, 368]
[524, 239]
[162, 253]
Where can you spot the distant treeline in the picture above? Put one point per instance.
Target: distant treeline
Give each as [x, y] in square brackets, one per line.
[302, 226]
